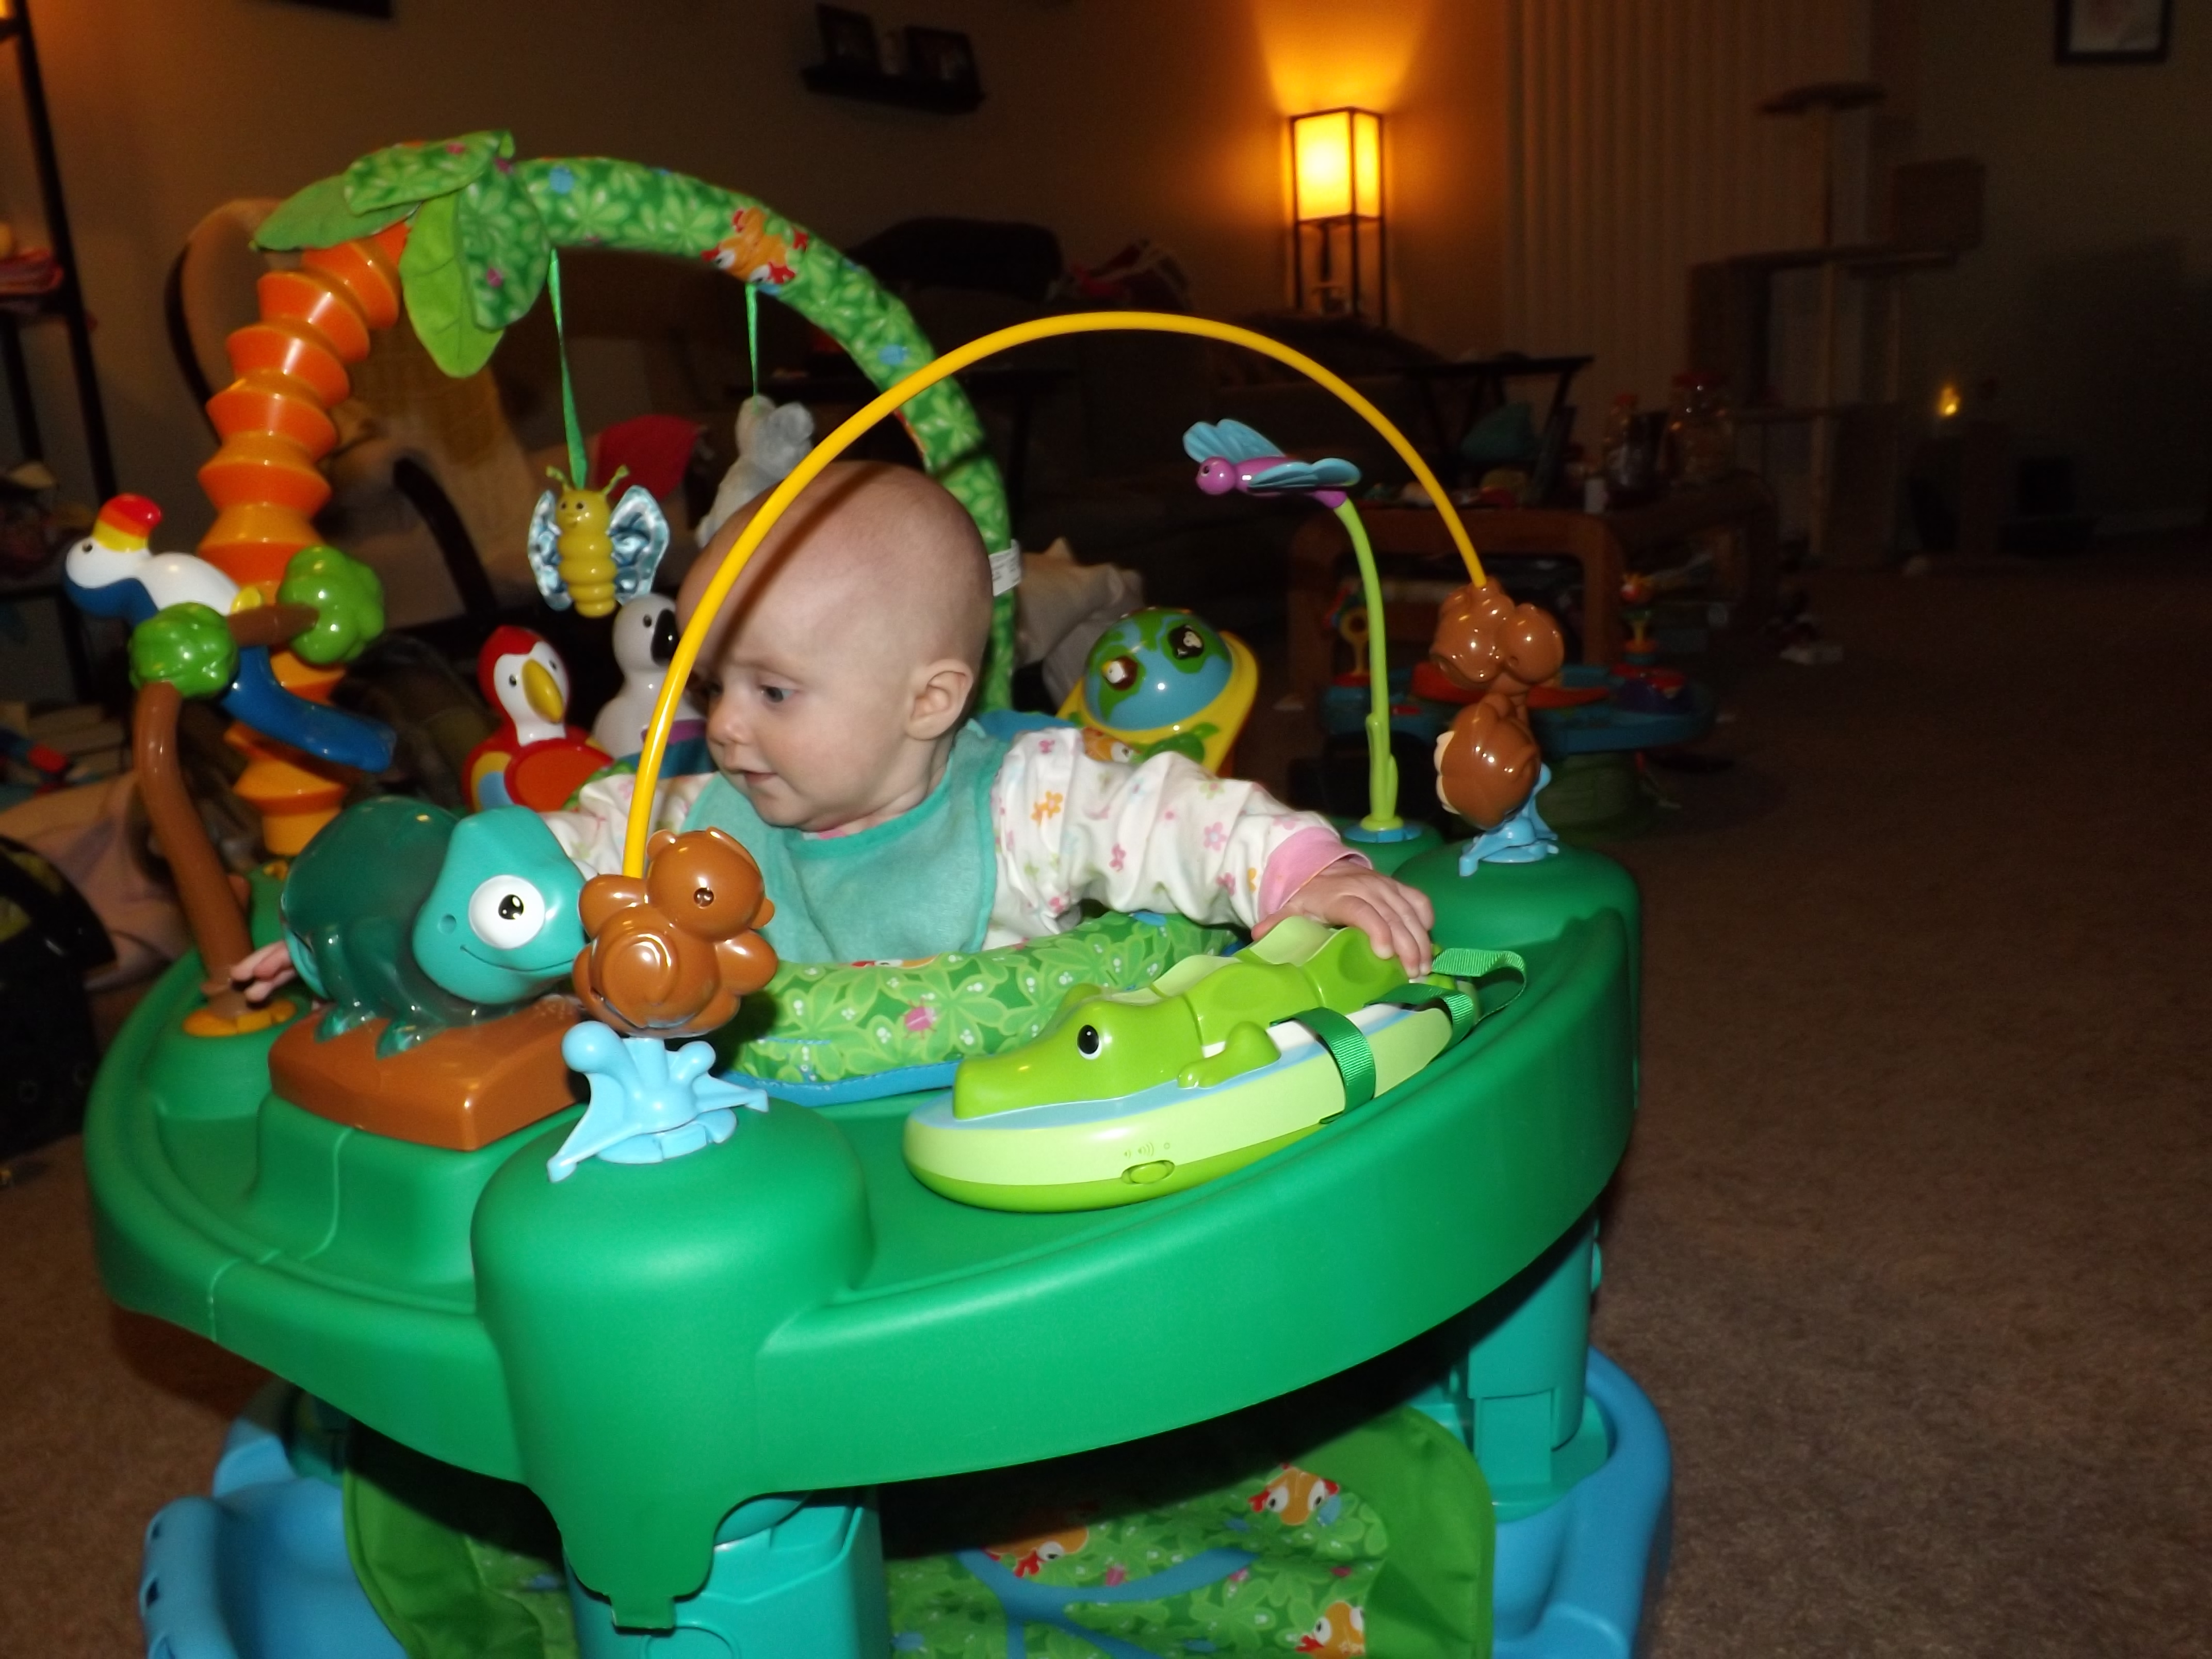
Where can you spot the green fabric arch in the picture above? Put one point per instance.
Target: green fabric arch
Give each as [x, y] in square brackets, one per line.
[482, 227]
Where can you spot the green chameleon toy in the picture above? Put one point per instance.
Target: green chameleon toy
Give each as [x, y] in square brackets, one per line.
[398, 910]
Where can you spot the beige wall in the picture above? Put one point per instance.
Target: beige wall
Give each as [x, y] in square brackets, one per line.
[2089, 306]
[1641, 153]
[1104, 119]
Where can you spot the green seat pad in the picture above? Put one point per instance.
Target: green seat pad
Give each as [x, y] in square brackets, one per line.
[1211, 1540]
[458, 1565]
[1226, 1538]
[826, 1021]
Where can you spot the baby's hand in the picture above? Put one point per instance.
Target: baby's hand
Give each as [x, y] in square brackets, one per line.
[262, 972]
[1396, 918]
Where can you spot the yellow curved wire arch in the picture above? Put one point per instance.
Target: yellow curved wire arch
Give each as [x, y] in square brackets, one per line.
[810, 467]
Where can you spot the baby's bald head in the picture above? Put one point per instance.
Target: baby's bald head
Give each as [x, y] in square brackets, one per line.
[847, 653]
[883, 552]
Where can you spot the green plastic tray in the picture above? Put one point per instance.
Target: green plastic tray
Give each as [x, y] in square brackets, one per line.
[647, 1347]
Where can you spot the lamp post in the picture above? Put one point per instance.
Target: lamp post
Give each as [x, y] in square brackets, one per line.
[1336, 182]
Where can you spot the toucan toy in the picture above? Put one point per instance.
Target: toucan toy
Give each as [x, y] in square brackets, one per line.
[113, 572]
[535, 759]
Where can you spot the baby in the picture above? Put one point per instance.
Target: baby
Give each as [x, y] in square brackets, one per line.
[887, 825]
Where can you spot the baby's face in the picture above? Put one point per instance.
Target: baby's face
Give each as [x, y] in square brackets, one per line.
[847, 651]
[807, 708]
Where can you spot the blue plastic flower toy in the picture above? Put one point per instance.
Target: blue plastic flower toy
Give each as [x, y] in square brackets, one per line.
[649, 1104]
[1524, 838]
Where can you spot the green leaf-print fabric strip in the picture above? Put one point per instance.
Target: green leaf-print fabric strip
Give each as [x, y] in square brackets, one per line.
[318, 217]
[407, 173]
[590, 200]
[821, 1022]
[481, 267]
[436, 290]
[503, 246]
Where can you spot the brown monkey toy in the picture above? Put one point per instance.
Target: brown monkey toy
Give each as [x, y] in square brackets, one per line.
[1487, 762]
[672, 953]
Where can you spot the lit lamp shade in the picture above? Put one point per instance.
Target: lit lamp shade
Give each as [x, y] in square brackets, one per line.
[1337, 164]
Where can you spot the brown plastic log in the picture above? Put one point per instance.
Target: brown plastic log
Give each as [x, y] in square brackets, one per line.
[211, 907]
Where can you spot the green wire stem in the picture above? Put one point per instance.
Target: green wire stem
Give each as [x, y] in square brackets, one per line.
[1381, 765]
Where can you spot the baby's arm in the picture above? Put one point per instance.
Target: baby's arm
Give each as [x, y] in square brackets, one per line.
[1165, 835]
[591, 832]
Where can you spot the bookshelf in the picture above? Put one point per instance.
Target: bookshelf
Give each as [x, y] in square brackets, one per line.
[63, 302]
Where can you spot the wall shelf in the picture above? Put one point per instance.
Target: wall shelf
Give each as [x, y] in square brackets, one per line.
[905, 91]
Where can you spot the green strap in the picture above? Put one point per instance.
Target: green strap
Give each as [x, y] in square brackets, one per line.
[1459, 962]
[1348, 1046]
[752, 333]
[579, 466]
[1463, 1006]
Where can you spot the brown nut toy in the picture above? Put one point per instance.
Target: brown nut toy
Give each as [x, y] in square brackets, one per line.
[1484, 640]
[1487, 763]
[672, 954]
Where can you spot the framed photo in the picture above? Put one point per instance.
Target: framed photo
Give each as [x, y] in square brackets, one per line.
[848, 41]
[941, 57]
[377, 9]
[2114, 31]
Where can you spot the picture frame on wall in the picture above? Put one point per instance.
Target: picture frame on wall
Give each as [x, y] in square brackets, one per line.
[848, 41]
[942, 57]
[2114, 31]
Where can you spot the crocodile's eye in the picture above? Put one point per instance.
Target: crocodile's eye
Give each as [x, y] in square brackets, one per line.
[1185, 642]
[1087, 1042]
[506, 912]
[1121, 672]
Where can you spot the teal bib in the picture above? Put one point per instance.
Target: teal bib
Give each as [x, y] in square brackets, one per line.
[910, 887]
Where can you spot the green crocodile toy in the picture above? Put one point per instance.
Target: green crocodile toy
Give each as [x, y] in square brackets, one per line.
[1200, 1024]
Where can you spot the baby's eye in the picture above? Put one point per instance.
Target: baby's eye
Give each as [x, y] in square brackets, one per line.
[775, 693]
[705, 691]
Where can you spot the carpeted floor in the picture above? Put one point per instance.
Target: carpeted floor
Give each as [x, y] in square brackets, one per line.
[1904, 1249]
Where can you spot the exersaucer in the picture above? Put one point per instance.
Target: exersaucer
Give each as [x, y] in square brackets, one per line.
[705, 1365]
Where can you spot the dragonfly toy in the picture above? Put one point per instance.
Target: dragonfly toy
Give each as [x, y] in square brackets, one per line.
[1231, 456]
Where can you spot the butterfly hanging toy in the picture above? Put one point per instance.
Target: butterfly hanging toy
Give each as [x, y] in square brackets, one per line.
[586, 552]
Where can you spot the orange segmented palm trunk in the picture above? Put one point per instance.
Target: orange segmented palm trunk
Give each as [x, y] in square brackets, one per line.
[267, 485]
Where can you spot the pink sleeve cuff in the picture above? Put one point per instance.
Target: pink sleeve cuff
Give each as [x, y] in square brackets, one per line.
[1298, 861]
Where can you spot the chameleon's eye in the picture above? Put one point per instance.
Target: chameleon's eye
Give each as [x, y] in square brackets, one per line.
[1087, 1042]
[506, 912]
[1121, 672]
[1185, 643]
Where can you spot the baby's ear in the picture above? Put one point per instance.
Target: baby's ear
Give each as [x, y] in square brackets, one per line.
[940, 698]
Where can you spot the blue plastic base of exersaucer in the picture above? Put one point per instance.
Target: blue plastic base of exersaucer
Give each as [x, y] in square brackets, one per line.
[1575, 1580]
[258, 1570]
